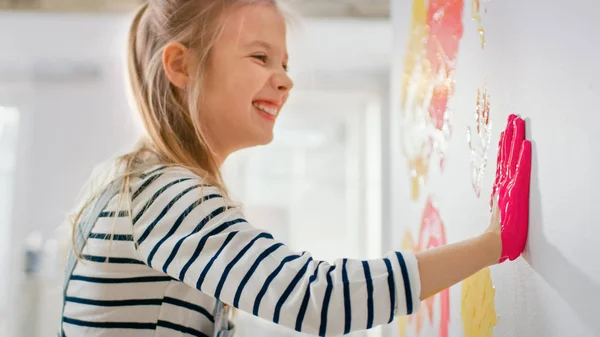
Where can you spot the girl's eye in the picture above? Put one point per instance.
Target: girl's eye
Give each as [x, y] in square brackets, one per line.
[263, 58]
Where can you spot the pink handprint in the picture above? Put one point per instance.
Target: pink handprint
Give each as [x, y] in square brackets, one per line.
[511, 187]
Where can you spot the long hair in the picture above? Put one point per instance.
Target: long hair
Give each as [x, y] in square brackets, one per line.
[169, 115]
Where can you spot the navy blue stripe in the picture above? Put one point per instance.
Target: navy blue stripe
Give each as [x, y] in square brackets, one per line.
[197, 308]
[155, 196]
[147, 279]
[231, 264]
[177, 223]
[195, 231]
[369, 294]
[347, 306]
[251, 271]
[147, 174]
[122, 214]
[212, 260]
[181, 217]
[407, 290]
[304, 305]
[118, 260]
[180, 328]
[326, 299]
[289, 289]
[145, 185]
[111, 325]
[165, 210]
[270, 279]
[392, 287]
[115, 237]
[120, 303]
[221, 228]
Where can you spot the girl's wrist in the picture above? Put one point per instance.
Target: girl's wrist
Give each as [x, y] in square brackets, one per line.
[491, 246]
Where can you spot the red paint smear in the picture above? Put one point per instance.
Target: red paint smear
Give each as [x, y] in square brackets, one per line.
[433, 234]
[513, 174]
[446, 29]
[438, 105]
[444, 19]
[436, 32]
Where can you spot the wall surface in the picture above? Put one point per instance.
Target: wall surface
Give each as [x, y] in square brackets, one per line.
[540, 60]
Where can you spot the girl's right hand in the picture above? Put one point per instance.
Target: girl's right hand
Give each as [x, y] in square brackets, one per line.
[510, 194]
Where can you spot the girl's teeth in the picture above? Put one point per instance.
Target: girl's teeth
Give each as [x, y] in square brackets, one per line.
[268, 110]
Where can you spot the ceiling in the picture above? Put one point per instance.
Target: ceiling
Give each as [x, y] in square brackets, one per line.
[308, 8]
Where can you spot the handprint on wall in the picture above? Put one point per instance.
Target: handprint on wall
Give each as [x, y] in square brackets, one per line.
[479, 140]
[431, 234]
[478, 310]
[428, 85]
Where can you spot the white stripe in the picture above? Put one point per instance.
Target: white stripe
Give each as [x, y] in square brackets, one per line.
[116, 291]
[92, 313]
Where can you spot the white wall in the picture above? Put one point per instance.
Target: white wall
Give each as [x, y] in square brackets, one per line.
[65, 74]
[540, 61]
[76, 118]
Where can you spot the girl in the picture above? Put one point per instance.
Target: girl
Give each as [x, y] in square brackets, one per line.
[159, 249]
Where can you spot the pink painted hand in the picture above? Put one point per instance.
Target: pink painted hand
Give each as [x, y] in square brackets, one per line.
[510, 193]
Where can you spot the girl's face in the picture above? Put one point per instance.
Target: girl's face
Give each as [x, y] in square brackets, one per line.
[246, 83]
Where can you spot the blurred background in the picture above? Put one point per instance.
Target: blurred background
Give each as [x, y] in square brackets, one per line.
[64, 108]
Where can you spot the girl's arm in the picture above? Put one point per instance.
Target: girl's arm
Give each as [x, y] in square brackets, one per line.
[186, 231]
[442, 267]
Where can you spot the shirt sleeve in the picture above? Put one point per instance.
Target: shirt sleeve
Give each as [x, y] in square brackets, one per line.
[187, 230]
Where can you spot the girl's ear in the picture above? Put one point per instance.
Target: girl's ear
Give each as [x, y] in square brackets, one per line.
[175, 61]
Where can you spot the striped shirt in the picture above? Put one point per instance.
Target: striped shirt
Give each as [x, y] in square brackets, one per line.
[182, 247]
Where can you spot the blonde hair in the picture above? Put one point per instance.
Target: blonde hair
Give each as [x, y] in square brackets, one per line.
[173, 131]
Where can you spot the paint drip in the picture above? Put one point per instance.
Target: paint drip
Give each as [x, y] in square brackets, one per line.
[476, 14]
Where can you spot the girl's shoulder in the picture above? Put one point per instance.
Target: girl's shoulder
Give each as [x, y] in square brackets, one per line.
[170, 180]
[164, 172]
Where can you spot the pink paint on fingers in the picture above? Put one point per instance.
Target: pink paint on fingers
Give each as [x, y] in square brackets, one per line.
[503, 152]
[515, 145]
[514, 207]
[498, 170]
[512, 188]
